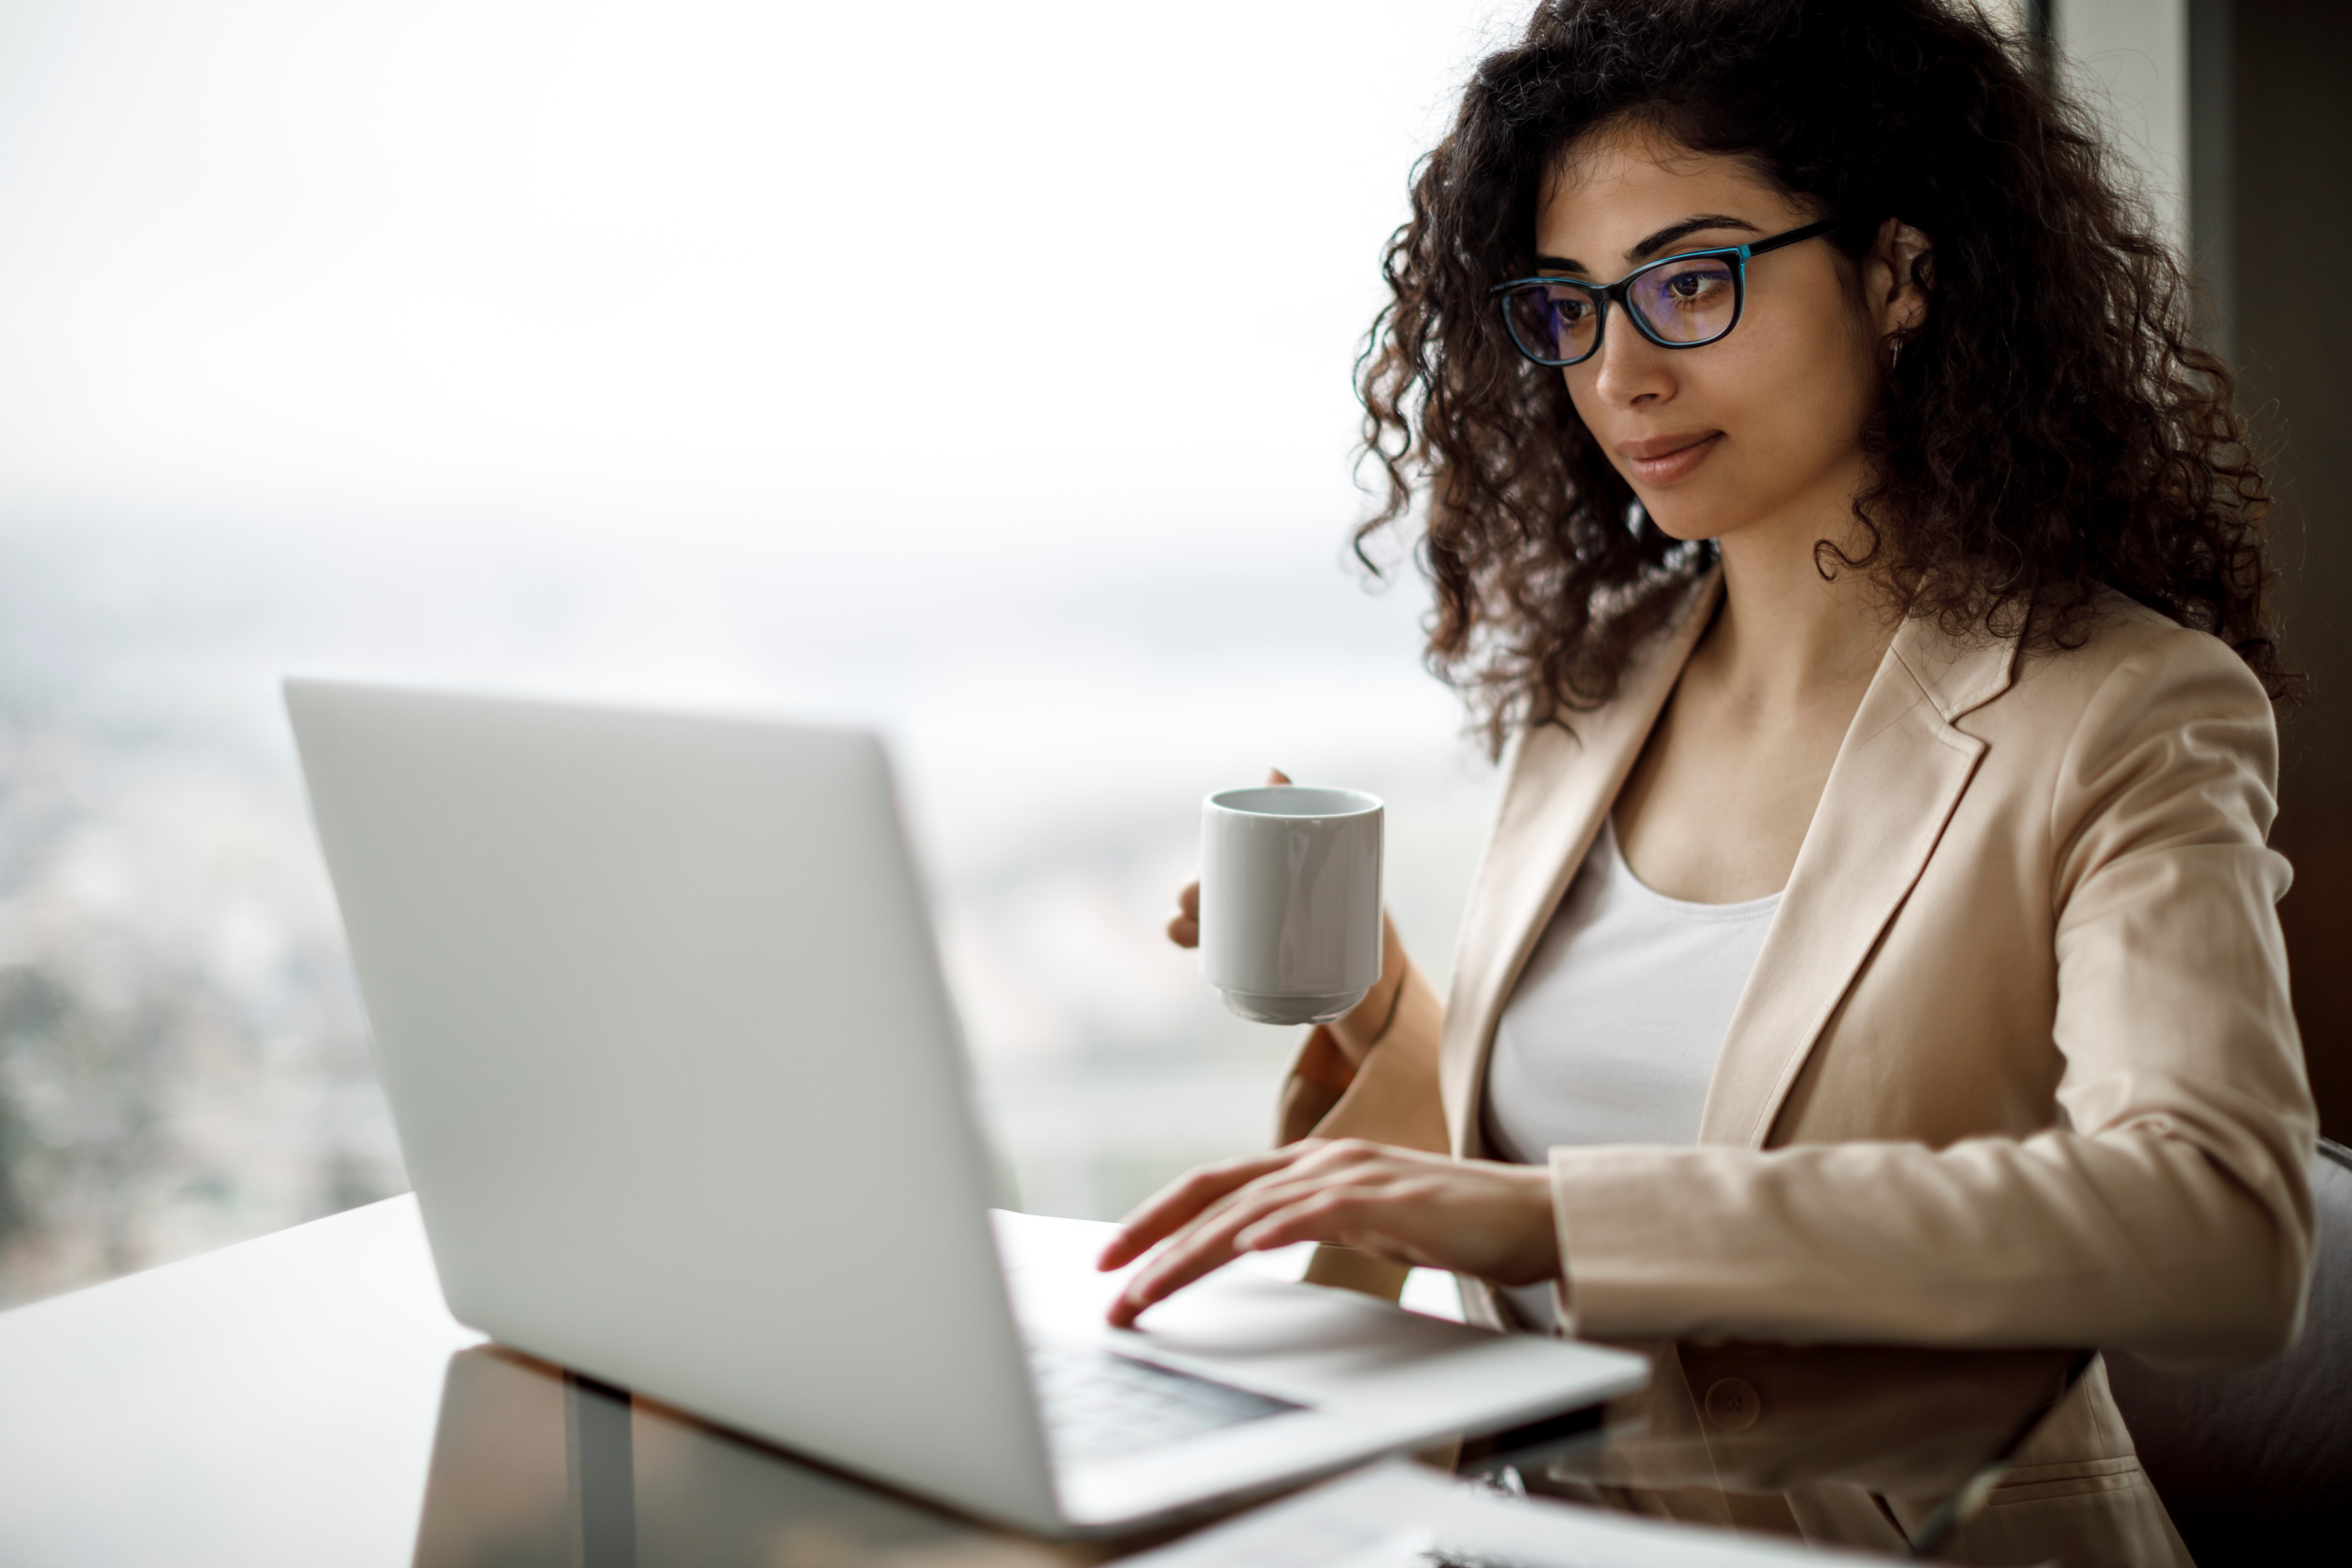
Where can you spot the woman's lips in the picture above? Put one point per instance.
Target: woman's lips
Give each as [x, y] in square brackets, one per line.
[1664, 460]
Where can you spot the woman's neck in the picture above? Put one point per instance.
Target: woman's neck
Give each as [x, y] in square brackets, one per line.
[1787, 638]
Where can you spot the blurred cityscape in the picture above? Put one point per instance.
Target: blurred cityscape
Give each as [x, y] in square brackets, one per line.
[183, 1056]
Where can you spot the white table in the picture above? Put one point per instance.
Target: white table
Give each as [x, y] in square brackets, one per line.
[272, 1402]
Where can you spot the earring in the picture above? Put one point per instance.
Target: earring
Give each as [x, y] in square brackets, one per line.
[1895, 359]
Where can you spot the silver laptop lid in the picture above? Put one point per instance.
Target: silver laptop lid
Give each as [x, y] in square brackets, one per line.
[656, 1005]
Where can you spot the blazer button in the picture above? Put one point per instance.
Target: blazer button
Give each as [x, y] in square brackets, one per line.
[1732, 1404]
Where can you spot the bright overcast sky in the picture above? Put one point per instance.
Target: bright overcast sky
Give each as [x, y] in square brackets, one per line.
[311, 259]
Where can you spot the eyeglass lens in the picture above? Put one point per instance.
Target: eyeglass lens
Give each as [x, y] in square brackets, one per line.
[1686, 303]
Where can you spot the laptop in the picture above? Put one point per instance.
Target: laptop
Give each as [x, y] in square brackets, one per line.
[656, 1003]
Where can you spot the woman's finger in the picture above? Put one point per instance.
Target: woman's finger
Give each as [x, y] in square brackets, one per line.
[1203, 1248]
[1184, 929]
[1209, 1246]
[1183, 1200]
[1208, 1242]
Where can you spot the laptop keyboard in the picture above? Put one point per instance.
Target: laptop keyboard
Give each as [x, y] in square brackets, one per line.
[1097, 1404]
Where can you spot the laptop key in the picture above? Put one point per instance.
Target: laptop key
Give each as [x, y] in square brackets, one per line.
[1097, 1404]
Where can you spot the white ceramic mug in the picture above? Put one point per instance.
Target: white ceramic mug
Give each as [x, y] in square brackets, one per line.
[1290, 899]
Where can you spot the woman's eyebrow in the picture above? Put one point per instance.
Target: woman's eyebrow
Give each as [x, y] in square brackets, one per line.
[1655, 243]
[1674, 231]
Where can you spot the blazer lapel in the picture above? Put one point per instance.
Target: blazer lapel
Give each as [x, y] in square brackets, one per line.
[1899, 774]
[1561, 788]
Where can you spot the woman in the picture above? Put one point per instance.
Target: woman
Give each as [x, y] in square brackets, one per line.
[1828, 508]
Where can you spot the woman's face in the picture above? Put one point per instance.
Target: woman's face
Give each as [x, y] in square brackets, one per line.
[1761, 426]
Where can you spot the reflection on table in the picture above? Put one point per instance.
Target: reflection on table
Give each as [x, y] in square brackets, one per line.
[1722, 1427]
[533, 1464]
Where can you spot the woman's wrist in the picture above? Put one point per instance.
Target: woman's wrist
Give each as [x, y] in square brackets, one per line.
[1538, 1255]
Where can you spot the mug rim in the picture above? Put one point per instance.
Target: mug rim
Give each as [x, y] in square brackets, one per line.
[1343, 802]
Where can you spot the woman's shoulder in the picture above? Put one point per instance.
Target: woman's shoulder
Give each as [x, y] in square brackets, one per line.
[2120, 662]
[2155, 729]
[2122, 711]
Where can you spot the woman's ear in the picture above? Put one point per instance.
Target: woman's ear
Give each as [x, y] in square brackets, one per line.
[1893, 275]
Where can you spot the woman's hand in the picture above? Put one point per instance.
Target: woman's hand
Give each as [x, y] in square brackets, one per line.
[1184, 926]
[1354, 1033]
[1473, 1216]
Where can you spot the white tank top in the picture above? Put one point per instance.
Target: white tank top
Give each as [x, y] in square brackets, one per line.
[1613, 1032]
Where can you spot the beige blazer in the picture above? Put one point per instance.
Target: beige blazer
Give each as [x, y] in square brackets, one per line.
[2016, 1066]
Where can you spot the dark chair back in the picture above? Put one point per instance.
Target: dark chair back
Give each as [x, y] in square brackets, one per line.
[2257, 1466]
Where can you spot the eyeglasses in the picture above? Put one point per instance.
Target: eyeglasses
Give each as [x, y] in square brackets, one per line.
[1684, 301]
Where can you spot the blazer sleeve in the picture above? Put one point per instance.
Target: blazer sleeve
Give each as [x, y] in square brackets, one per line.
[2167, 1213]
[1391, 1098]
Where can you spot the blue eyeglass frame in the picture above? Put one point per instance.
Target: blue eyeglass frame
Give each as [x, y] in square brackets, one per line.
[1603, 294]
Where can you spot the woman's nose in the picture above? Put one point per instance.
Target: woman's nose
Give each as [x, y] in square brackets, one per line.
[1630, 368]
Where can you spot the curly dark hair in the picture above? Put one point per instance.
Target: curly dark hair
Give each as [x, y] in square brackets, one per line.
[2052, 424]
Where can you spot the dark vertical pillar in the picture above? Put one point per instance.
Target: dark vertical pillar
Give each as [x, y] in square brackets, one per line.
[2286, 191]
[2212, 151]
[602, 1473]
